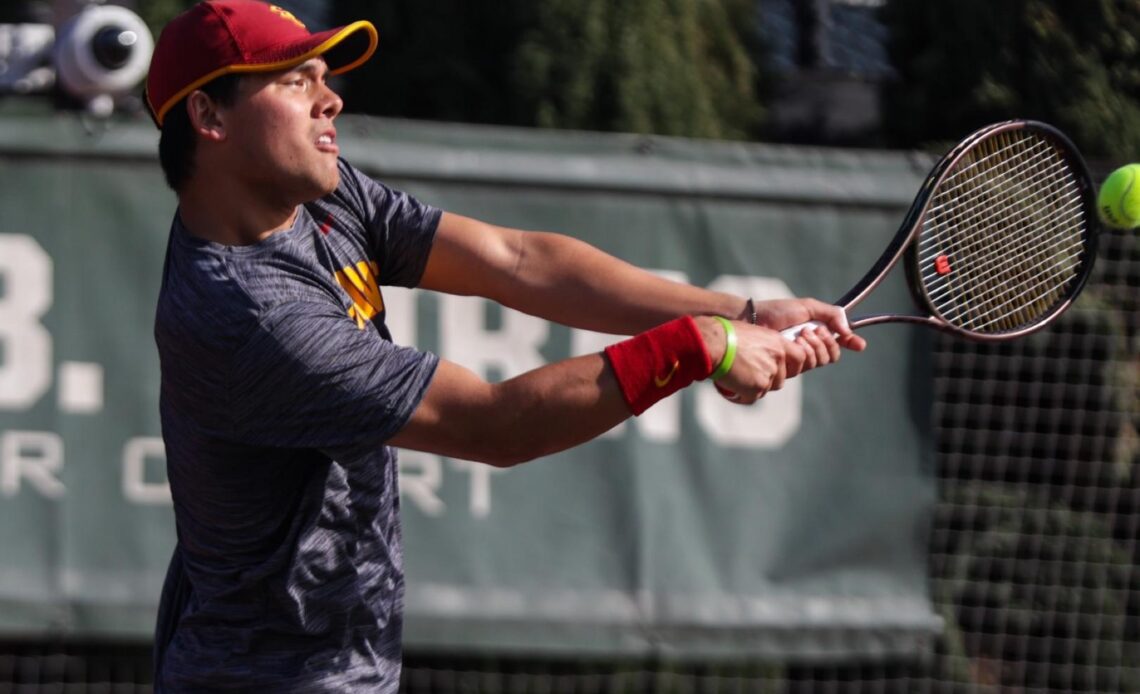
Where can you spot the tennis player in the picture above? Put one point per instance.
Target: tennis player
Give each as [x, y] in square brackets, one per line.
[283, 394]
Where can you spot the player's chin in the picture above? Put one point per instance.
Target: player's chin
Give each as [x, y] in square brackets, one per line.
[328, 180]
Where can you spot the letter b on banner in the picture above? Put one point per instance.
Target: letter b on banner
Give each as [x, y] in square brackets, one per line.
[25, 344]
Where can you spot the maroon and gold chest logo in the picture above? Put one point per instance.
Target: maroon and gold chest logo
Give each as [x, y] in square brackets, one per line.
[360, 281]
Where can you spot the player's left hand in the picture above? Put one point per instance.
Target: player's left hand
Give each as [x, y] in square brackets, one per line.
[822, 345]
[779, 314]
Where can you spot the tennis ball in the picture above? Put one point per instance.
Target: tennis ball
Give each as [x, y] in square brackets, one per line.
[1118, 202]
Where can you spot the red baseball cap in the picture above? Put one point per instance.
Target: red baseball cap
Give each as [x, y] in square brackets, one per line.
[219, 37]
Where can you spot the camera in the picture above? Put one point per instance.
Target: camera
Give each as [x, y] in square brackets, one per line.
[96, 56]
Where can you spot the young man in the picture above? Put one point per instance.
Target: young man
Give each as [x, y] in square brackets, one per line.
[282, 392]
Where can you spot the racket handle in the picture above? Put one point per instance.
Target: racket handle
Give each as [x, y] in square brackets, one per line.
[793, 332]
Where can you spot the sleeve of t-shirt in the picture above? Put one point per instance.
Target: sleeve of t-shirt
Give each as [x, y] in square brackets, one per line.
[309, 378]
[399, 227]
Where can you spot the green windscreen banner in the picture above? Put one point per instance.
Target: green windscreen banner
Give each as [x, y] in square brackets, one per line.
[795, 528]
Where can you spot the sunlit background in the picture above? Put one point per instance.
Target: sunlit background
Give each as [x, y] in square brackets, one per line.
[1031, 556]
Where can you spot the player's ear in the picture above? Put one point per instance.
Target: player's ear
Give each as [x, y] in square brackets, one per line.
[205, 118]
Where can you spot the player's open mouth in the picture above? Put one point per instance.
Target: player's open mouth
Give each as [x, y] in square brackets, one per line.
[327, 143]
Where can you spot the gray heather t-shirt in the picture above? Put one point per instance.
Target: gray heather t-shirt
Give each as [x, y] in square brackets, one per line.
[280, 385]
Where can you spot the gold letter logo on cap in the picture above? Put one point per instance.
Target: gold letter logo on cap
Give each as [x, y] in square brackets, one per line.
[286, 14]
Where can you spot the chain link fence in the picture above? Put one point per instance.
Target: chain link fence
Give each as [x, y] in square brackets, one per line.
[1034, 553]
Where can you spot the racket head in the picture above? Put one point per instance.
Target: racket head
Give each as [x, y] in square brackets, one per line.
[1004, 232]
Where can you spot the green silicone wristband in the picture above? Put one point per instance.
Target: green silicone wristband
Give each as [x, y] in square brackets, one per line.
[729, 350]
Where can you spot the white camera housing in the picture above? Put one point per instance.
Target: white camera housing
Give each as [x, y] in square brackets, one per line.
[102, 52]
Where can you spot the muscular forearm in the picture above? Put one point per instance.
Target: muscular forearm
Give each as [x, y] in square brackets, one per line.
[561, 405]
[537, 413]
[558, 407]
[540, 412]
[570, 282]
[560, 278]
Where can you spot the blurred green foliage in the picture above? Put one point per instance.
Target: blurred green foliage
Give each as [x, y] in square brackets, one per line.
[438, 59]
[156, 13]
[1032, 572]
[697, 67]
[673, 67]
[677, 67]
[968, 62]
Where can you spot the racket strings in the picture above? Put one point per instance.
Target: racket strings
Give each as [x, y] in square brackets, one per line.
[965, 175]
[1045, 283]
[1022, 255]
[938, 294]
[1016, 303]
[1035, 269]
[964, 209]
[1003, 233]
[992, 217]
[967, 212]
[989, 293]
[958, 195]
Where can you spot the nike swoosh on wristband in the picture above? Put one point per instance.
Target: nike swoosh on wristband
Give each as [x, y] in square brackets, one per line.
[662, 382]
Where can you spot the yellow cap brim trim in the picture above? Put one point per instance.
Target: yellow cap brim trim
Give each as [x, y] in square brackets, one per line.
[332, 42]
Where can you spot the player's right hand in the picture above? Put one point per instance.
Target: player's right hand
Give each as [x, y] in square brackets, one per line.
[765, 359]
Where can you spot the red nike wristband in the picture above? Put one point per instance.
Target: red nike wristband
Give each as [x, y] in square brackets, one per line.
[659, 362]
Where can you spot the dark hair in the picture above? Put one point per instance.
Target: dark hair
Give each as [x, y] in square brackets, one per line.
[177, 142]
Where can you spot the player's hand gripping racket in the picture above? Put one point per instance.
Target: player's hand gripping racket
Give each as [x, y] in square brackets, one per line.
[999, 240]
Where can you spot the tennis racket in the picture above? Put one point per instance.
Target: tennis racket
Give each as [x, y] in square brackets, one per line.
[999, 240]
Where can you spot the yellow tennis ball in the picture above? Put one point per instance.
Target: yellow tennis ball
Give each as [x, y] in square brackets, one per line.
[1119, 199]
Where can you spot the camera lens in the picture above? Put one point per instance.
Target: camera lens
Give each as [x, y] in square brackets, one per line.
[112, 46]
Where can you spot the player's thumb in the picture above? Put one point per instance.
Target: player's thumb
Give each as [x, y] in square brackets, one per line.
[834, 317]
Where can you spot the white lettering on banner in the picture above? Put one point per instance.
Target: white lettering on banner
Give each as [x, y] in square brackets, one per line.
[35, 456]
[421, 476]
[768, 424]
[660, 423]
[465, 339]
[135, 487]
[79, 387]
[479, 491]
[25, 344]
[772, 421]
[400, 314]
[34, 459]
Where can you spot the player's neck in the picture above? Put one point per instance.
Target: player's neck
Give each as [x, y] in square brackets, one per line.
[230, 214]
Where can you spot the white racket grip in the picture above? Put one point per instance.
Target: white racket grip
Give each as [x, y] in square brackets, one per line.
[793, 332]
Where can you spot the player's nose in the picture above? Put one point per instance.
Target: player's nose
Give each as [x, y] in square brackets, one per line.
[328, 104]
